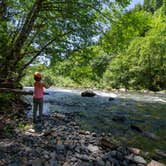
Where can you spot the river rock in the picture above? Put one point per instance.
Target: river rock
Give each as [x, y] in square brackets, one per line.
[134, 150]
[111, 98]
[63, 145]
[136, 159]
[119, 118]
[88, 93]
[160, 153]
[136, 128]
[150, 135]
[93, 149]
[100, 162]
[155, 163]
[106, 142]
[36, 162]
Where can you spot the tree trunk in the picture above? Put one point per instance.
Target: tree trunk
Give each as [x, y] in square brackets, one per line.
[10, 75]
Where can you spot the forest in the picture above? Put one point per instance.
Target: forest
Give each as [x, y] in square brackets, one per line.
[86, 44]
[129, 53]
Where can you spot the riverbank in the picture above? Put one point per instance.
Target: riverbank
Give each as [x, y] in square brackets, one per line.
[59, 140]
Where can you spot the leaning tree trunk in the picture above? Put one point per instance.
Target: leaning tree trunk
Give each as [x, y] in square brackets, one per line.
[10, 75]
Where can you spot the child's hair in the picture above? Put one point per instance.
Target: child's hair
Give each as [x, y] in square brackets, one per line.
[37, 76]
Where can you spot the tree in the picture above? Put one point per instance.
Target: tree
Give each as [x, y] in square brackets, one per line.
[129, 26]
[45, 27]
[152, 5]
[142, 64]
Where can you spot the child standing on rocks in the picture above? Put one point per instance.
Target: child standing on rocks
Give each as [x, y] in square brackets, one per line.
[38, 96]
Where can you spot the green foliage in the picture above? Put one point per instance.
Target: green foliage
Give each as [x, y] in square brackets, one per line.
[131, 54]
[23, 126]
[142, 64]
[152, 5]
[5, 100]
[124, 30]
[46, 28]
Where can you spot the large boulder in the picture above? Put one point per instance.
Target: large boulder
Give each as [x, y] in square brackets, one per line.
[88, 93]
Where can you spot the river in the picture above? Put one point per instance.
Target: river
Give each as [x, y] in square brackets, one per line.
[135, 119]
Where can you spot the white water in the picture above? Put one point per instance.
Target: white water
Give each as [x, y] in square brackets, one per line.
[70, 100]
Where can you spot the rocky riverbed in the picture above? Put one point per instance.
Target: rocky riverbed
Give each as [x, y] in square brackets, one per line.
[59, 141]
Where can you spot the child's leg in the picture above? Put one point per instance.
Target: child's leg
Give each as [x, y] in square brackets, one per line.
[40, 108]
[35, 107]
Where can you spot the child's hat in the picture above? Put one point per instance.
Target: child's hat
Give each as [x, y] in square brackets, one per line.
[37, 74]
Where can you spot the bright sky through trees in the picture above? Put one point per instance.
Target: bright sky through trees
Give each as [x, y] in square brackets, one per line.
[134, 2]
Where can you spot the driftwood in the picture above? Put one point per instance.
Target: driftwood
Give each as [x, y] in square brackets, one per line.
[18, 91]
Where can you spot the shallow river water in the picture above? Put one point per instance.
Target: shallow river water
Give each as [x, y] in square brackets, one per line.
[133, 118]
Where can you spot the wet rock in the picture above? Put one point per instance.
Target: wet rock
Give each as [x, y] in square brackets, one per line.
[136, 128]
[150, 135]
[160, 153]
[88, 93]
[111, 98]
[119, 118]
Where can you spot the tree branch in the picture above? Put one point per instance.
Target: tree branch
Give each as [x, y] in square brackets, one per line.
[42, 49]
[27, 27]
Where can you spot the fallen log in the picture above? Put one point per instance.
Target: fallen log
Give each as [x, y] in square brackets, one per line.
[18, 91]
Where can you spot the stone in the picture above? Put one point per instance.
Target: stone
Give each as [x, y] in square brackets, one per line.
[136, 128]
[139, 159]
[150, 135]
[36, 162]
[31, 130]
[83, 157]
[87, 133]
[66, 164]
[88, 93]
[108, 163]
[134, 150]
[119, 156]
[155, 163]
[136, 159]
[119, 118]
[110, 99]
[106, 142]
[53, 162]
[83, 132]
[60, 148]
[82, 163]
[100, 162]
[93, 149]
[94, 134]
